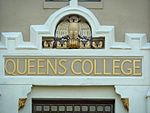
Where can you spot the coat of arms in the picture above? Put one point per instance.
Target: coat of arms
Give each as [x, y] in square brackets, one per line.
[73, 32]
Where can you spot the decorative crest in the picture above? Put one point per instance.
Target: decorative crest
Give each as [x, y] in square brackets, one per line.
[125, 102]
[21, 103]
[73, 32]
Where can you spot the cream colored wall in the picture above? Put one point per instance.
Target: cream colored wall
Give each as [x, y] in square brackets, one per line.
[125, 15]
[133, 88]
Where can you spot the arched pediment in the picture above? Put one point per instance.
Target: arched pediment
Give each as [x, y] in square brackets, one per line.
[54, 19]
[73, 31]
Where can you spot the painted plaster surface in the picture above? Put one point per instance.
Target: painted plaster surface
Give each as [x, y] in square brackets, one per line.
[135, 88]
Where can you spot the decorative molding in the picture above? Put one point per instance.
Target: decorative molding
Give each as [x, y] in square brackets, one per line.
[125, 102]
[21, 103]
[137, 40]
[8, 37]
[133, 41]
[73, 32]
[14, 40]
[23, 96]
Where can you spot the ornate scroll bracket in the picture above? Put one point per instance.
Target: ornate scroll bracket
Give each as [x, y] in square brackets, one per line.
[23, 96]
[125, 102]
[124, 99]
[21, 103]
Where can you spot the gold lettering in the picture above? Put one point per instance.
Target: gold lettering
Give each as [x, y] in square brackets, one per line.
[95, 68]
[84, 66]
[30, 67]
[40, 66]
[136, 68]
[115, 67]
[128, 69]
[7, 64]
[61, 61]
[50, 66]
[105, 73]
[73, 64]
[23, 66]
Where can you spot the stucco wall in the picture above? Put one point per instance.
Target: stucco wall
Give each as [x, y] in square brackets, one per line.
[125, 15]
[13, 88]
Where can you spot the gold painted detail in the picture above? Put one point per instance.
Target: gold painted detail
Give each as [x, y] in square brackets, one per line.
[73, 32]
[125, 102]
[97, 66]
[21, 103]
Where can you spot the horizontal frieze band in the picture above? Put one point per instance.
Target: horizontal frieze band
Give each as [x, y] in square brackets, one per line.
[73, 66]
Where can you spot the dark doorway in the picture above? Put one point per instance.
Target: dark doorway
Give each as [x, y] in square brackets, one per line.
[72, 106]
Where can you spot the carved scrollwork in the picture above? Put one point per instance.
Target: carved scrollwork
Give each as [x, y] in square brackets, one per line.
[21, 103]
[73, 32]
[125, 102]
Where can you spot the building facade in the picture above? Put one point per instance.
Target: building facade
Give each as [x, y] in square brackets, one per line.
[72, 63]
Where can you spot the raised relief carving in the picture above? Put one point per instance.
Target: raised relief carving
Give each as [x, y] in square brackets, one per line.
[21, 103]
[125, 102]
[73, 32]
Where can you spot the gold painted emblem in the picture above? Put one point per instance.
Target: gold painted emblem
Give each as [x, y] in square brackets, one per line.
[21, 103]
[125, 102]
[73, 32]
